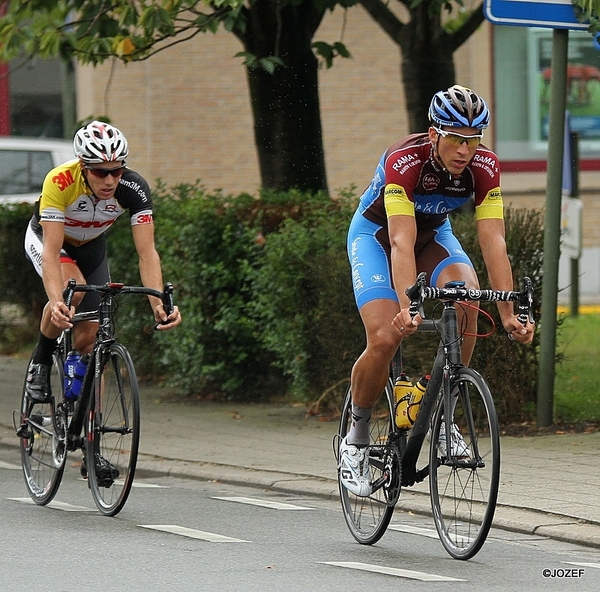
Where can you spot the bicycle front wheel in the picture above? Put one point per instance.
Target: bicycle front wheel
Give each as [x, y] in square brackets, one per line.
[113, 430]
[368, 517]
[463, 480]
[42, 441]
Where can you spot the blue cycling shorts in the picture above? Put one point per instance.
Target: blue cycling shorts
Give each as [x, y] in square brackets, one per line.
[369, 255]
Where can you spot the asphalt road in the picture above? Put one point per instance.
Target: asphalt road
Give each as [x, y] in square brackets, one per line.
[181, 534]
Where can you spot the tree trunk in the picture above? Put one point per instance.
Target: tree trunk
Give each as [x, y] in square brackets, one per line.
[427, 65]
[426, 51]
[285, 104]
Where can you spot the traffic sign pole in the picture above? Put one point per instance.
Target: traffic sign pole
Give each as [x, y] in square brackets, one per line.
[558, 103]
[560, 16]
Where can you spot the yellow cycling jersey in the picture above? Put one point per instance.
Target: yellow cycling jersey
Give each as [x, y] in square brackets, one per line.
[67, 198]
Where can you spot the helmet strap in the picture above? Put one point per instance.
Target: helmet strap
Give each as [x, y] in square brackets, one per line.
[84, 175]
[436, 154]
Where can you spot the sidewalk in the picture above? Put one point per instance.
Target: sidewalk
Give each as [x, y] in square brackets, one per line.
[549, 484]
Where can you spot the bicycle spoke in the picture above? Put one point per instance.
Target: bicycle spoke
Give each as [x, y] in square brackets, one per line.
[42, 442]
[368, 517]
[113, 435]
[464, 490]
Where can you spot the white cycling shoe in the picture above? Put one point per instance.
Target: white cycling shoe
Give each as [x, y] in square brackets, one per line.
[459, 446]
[354, 469]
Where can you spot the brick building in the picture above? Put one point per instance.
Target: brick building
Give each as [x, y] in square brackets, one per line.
[186, 114]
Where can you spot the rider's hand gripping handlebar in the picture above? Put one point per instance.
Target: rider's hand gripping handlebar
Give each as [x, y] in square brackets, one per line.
[525, 305]
[416, 293]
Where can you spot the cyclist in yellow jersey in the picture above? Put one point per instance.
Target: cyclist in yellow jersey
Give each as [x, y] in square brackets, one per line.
[401, 227]
[80, 200]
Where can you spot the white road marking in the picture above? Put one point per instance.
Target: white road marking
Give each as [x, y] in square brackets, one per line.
[426, 532]
[5, 465]
[583, 564]
[121, 482]
[393, 571]
[54, 505]
[193, 534]
[264, 503]
[148, 485]
[458, 539]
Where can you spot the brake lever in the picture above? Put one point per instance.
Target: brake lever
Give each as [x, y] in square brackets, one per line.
[168, 303]
[416, 294]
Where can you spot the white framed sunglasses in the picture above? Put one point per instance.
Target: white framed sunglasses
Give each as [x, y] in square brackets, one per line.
[458, 139]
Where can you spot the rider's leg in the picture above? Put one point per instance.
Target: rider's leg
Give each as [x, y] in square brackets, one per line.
[440, 254]
[371, 370]
[467, 313]
[94, 267]
[467, 323]
[49, 332]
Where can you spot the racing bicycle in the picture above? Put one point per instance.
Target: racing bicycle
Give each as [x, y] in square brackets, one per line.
[463, 485]
[104, 420]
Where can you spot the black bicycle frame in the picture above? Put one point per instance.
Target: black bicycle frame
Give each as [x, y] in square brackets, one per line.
[447, 358]
[104, 337]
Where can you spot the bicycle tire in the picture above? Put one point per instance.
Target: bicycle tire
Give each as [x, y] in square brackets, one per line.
[368, 517]
[42, 441]
[464, 491]
[113, 430]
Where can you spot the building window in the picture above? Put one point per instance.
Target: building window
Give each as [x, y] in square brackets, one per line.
[36, 98]
[522, 71]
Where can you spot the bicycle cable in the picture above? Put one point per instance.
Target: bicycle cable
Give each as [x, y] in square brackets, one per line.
[485, 314]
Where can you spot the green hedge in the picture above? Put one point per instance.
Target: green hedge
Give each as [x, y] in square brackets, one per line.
[23, 295]
[264, 290]
[263, 283]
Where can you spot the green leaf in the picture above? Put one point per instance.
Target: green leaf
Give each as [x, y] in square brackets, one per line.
[328, 52]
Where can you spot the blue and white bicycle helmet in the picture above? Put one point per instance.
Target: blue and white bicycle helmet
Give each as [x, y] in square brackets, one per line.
[100, 142]
[459, 107]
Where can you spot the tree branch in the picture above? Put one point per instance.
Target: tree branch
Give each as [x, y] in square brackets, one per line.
[386, 19]
[468, 28]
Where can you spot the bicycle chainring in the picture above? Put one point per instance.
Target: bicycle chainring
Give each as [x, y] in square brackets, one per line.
[393, 473]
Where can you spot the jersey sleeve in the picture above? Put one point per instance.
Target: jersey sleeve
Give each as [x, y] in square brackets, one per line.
[134, 195]
[488, 196]
[396, 201]
[492, 205]
[402, 168]
[56, 193]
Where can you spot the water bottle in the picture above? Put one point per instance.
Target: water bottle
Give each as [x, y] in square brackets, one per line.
[415, 400]
[402, 394]
[70, 363]
[78, 375]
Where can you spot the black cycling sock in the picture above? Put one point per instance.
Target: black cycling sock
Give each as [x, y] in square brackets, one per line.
[43, 350]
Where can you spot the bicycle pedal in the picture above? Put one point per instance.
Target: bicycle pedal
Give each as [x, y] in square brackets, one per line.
[24, 431]
[105, 482]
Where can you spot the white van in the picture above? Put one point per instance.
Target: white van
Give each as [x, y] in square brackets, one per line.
[24, 163]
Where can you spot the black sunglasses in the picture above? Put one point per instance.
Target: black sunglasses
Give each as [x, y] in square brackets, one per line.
[103, 173]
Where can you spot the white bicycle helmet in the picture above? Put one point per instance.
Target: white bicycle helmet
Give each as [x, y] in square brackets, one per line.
[459, 107]
[100, 142]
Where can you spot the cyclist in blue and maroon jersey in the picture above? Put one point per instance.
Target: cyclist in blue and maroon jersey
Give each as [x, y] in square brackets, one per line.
[401, 227]
[65, 239]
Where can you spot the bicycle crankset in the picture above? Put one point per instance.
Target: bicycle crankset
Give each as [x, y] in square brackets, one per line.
[392, 468]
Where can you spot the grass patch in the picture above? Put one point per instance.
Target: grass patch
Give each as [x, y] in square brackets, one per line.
[577, 381]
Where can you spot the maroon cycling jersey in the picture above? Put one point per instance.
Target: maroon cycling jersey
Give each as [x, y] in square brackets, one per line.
[408, 180]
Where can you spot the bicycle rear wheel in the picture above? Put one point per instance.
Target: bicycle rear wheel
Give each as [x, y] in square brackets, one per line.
[113, 430]
[368, 517]
[42, 441]
[464, 490]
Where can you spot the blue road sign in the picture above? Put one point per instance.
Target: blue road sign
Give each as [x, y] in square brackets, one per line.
[555, 14]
